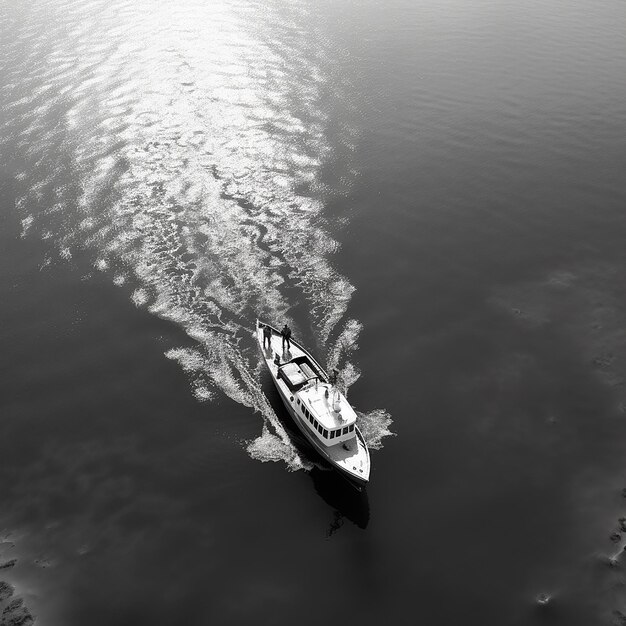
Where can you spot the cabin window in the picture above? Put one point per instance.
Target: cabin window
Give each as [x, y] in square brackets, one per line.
[298, 401]
[345, 430]
[332, 434]
[325, 433]
[351, 427]
[311, 419]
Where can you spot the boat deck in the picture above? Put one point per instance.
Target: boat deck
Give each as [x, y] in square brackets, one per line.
[276, 342]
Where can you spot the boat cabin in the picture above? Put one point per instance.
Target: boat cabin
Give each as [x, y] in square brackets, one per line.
[328, 434]
[326, 413]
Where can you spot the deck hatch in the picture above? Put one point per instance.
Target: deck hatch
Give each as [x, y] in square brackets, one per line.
[296, 374]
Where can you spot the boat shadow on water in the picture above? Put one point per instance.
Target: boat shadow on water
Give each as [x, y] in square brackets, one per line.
[346, 501]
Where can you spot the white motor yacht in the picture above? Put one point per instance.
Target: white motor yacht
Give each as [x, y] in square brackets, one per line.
[319, 409]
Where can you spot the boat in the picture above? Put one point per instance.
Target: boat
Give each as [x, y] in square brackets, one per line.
[316, 405]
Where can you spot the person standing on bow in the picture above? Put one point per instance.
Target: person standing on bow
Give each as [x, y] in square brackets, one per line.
[267, 336]
[286, 333]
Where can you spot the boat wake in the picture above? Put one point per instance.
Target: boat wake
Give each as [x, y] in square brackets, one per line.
[183, 149]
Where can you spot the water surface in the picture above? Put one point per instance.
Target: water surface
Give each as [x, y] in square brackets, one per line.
[431, 194]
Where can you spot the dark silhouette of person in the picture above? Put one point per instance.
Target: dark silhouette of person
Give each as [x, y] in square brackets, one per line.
[267, 336]
[286, 333]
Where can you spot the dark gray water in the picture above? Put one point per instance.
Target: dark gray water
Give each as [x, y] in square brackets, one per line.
[431, 193]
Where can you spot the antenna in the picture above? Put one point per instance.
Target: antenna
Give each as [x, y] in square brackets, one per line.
[336, 393]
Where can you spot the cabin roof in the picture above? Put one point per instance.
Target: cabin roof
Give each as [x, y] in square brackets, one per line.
[322, 408]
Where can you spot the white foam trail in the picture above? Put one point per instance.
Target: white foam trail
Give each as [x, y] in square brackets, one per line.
[375, 426]
[186, 134]
[203, 394]
[345, 343]
[140, 297]
[26, 224]
[271, 447]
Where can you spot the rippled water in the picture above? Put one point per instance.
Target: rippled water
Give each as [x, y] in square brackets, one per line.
[430, 193]
[186, 158]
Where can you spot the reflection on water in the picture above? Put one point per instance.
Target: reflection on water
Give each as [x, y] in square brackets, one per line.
[188, 147]
[345, 500]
